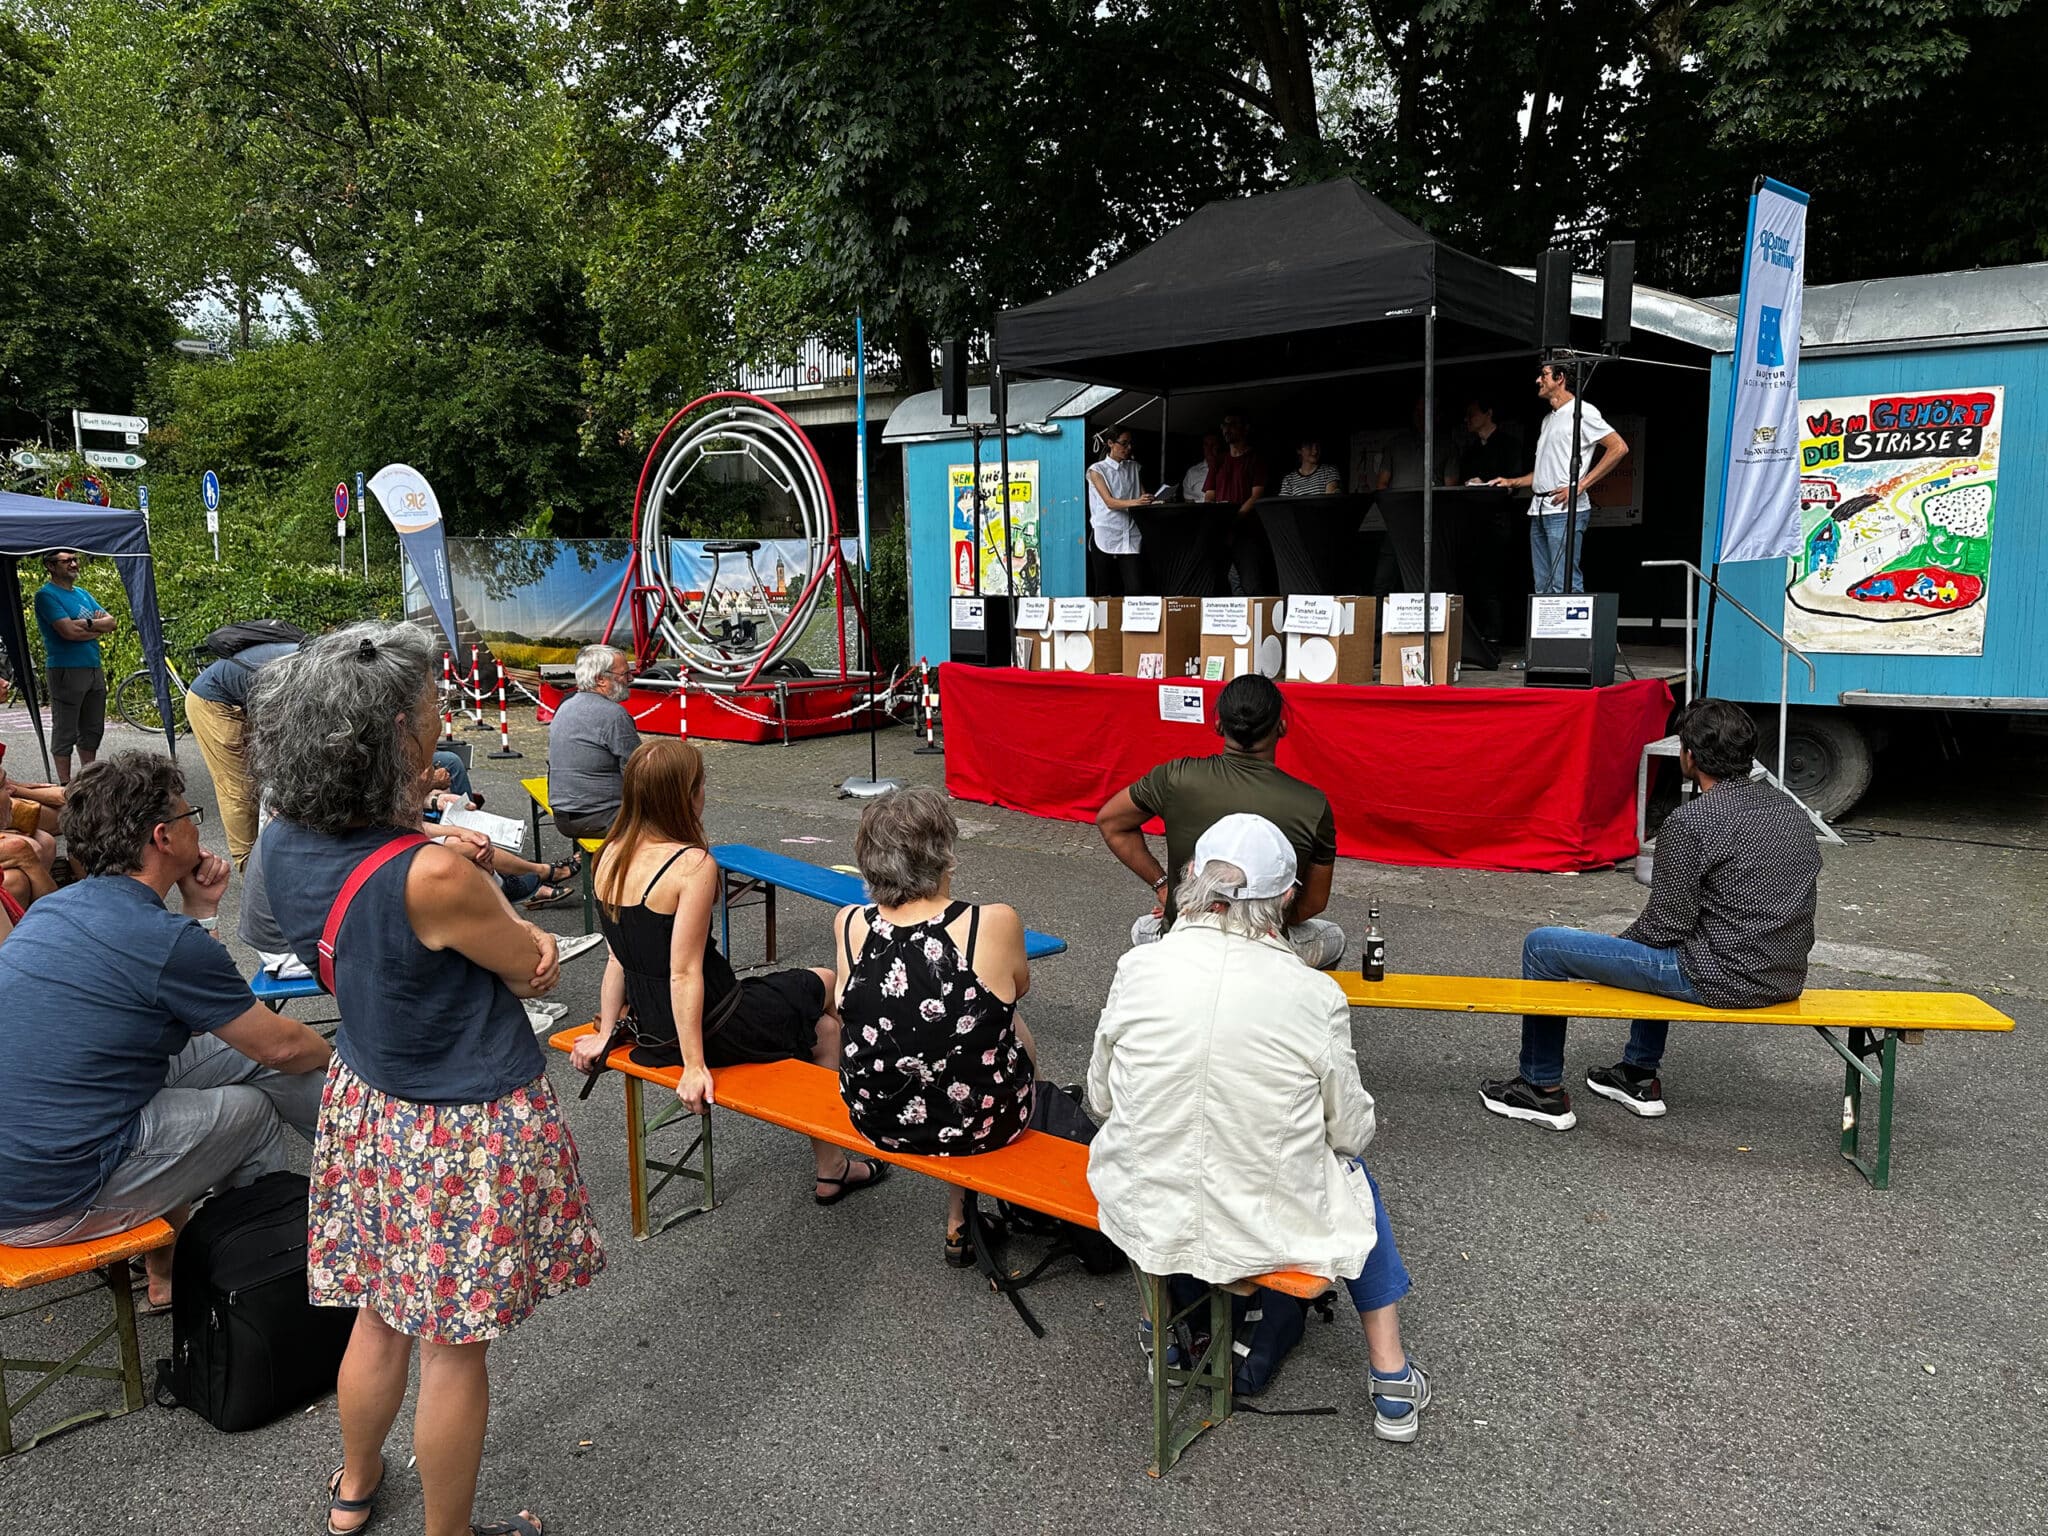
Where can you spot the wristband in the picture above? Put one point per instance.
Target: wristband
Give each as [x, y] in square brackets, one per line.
[1161, 881]
[210, 924]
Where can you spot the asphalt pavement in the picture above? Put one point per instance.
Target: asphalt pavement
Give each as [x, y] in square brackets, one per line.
[1704, 1323]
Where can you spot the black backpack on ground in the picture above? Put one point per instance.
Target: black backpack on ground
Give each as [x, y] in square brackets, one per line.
[233, 639]
[246, 1346]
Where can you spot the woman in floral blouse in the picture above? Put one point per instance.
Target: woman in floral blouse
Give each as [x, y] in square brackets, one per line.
[936, 1061]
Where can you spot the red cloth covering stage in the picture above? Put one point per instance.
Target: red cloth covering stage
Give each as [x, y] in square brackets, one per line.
[1474, 778]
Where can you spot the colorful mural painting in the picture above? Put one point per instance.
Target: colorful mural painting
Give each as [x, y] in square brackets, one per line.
[1897, 496]
[1023, 508]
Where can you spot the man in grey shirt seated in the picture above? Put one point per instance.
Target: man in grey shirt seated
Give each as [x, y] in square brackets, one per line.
[588, 744]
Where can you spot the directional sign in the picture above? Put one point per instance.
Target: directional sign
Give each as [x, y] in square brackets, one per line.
[209, 492]
[102, 460]
[341, 498]
[100, 421]
[27, 458]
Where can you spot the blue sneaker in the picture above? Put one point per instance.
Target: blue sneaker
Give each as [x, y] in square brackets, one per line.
[1397, 1404]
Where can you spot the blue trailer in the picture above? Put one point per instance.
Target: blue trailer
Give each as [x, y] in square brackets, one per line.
[1922, 581]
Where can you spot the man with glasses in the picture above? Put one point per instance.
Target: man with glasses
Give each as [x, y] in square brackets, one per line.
[137, 1073]
[72, 624]
[588, 744]
[1114, 487]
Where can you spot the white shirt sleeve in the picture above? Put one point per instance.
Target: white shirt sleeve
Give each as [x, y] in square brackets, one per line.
[1592, 425]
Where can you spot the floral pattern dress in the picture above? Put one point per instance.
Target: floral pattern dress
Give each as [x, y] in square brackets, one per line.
[933, 1063]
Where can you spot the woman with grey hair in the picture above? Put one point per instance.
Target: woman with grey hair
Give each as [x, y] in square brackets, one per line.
[1232, 1114]
[589, 740]
[446, 1198]
[936, 1061]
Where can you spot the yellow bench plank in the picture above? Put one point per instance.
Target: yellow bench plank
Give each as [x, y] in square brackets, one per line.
[537, 791]
[1590, 1000]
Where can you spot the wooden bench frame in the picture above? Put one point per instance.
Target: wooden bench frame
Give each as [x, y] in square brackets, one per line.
[107, 1260]
[536, 803]
[1873, 1022]
[802, 1097]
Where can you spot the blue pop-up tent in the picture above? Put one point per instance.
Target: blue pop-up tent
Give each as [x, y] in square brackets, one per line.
[33, 525]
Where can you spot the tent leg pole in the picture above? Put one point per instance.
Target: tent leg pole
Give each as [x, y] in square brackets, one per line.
[1428, 483]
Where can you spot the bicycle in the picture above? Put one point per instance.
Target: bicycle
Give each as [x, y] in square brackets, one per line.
[135, 698]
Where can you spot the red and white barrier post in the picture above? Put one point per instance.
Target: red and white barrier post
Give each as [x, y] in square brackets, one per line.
[504, 723]
[447, 698]
[928, 706]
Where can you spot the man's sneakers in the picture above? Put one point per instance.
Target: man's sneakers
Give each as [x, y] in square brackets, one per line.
[1634, 1089]
[1521, 1100]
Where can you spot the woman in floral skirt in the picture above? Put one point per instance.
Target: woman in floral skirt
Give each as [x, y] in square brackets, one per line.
[446, 1200]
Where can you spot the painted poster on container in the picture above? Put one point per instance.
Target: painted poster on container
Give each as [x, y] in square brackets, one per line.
[1897, 496]
[1023, 514]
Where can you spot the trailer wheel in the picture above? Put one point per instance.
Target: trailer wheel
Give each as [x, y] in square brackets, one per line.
[1829, 759]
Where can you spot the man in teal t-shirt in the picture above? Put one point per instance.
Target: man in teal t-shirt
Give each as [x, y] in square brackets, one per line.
[72, 622]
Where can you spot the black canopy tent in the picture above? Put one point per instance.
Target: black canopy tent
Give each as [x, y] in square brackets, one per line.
[31, 525]
[1314, 282]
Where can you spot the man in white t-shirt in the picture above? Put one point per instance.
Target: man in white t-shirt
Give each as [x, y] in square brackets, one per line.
[1554, 543]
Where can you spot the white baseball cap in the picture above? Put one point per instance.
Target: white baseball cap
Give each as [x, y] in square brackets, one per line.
[1255, 846]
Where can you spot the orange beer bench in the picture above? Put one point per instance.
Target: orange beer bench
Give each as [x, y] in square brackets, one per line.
[106, 1259]
[1875, 1023]
[1039, 1172]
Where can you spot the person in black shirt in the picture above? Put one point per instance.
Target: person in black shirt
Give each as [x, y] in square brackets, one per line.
[1489, 449]
[1729, 924]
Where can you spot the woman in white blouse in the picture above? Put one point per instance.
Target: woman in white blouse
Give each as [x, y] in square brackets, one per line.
[1114, 487]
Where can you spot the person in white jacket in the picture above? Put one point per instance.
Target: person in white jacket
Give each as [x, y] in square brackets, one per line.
[1233, 1116]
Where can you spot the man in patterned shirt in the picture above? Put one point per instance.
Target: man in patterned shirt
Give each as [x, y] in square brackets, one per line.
[1729, 924]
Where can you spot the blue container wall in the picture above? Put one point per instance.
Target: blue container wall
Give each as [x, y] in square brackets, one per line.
[2015, 659]
[1062, 524]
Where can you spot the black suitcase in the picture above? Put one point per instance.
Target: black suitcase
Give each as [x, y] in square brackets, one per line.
[246, 1347]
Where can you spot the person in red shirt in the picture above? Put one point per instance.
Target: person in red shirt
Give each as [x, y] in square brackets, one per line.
[1238, 479]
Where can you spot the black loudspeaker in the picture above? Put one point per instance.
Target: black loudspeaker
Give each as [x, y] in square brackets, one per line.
[998, 396]
[1571, 640]
[1618, 293]
[1553, 301]
[952, 378]
[981, 631]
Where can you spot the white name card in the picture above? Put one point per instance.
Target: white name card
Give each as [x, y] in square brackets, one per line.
[1226, 616]
[1311, 616]
[1180, 703]
[1142, 615]
[1073, 613]
[1034, 612]
[1403, 613]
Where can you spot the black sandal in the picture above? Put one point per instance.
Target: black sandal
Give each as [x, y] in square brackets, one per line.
[569, 869]
[337, 1505]
[846, 1184]
[960, 1249]
[554, 897]
[521, 1524]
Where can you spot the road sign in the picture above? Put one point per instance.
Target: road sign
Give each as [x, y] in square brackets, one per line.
[26, 458]
[209, 492]
[96, 492]
[142, 499]
[101, 421]
[213, 521]
[102, 460]
[341, 498]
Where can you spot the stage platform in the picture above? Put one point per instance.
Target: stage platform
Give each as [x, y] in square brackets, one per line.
[1464, 777]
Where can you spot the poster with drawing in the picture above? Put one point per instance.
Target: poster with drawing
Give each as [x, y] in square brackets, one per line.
[1897, 494]
[1023, 511]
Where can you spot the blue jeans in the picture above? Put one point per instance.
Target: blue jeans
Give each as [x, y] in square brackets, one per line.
[1572, 954]
[1547, 552]
[518, 887]
[1384, 1280]
[458, 776]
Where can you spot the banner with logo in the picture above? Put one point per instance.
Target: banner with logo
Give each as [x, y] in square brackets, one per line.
[1897, 496]
[1022, 509]
[1760, 494]
[415, 512]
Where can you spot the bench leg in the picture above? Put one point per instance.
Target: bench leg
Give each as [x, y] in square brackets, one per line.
[1211, 1375]
[1865, 1045]
[638, 1130]
[118, 1281]
[533, 809]
[589, 891]
[768, 895]
[636, 1151]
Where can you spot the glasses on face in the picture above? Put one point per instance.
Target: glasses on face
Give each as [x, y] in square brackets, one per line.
[1124, 443]
[197, 813]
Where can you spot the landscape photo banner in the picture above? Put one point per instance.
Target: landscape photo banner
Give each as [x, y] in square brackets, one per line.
[1760, 494]
[1898, 494]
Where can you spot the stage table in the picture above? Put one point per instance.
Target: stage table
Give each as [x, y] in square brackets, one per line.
[1186, 545]
[1469, 778]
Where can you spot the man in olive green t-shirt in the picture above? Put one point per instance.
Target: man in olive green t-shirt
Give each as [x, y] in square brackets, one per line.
[1192, 794]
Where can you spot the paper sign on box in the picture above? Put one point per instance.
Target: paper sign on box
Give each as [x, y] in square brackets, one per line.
[1335, 642]
[1167, 645]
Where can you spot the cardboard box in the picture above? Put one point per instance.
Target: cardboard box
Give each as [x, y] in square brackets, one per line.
[1032, 642]
[1402, 638]
[1329, 639]
[1086, 637]
[1162, 637]
[1241, 635]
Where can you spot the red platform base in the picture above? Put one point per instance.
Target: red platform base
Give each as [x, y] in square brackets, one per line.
[816, 707]
[1474, 778]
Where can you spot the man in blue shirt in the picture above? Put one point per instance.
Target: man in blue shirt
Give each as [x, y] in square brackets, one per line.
[137, 1073]
[72, 622]
[217, 710]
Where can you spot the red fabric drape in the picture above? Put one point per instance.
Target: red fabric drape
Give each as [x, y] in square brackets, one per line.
[1474, 778]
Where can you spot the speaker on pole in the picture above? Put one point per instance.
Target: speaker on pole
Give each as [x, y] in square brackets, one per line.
[1553, 301]
[998, 396]
[953, 378]
[1618, 294]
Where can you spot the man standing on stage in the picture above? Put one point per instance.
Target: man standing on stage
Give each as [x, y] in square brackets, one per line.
[1192, 794]
[1729, 924]
[1555, 539]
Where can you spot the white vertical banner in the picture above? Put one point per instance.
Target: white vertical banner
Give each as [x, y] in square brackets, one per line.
[1760, 494]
